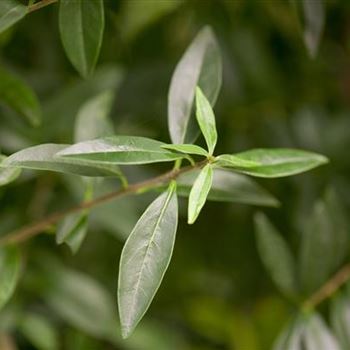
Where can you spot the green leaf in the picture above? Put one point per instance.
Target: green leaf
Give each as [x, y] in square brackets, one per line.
[206, 120]
[8, 175]
[92, 121]
[200, 65]
[291, 336]
[43, 157]
[119, 150]
[276, 256]
[11, 11]
[324, 243]
[232, 161]
[145, 259]
[340, 309]
[317, 335]
[276, 162]
[199, 193]
[314, 19]
[187, 149]
[81, 25]
[73, 230]
[9, 272]
[39, 331]
[228, 187]
[17, 95]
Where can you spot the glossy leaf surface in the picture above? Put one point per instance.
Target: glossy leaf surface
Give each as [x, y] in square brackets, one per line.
[187, 148]
[11, 11]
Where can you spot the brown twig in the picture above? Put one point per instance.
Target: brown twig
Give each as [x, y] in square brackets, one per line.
[329, 288]
[36, 228]
[40, 4]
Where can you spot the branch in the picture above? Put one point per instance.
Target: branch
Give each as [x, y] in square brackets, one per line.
[329, 288]
[40, 5]
[36, 228]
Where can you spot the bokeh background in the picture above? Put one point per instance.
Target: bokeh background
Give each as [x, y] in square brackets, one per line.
[216, 293]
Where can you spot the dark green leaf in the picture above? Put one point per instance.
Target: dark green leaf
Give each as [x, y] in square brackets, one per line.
[206, 120]
[43, 157]
[17, 95]
[9, 272]
[119, 150]
[228, 187]
[11, 11]
[324, 243]
[276, 256]
[187, 149]
[145, 258]
[200, 65]
[8, 175]
[199, 193]
[276, 162]
[81, 26]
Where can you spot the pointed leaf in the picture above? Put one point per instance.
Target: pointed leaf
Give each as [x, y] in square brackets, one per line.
[200, 65]
[81, 25]
[145, 258]
[276, 256]
[9, 272]
[17, 95]
[199, 193]
[206, 120]
[11, 11]
[187, 148]
[8, 175]
[232, 161]
[324, 243]
[276, 162]
[228, 187]
[291, 336]
[43, 157]
[340, 321]
[92, 121]
[119, 150]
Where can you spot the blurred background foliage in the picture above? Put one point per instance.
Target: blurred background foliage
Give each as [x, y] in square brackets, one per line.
[216, 293]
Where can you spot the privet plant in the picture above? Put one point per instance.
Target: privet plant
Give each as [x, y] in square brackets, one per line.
[196, 172]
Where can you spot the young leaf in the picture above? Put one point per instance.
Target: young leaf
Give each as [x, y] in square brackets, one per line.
[206, 120]
[291, 336]
[17, 95]
[81, 25]
[119, 150]
[92, 120]
[73, 231]
[199, 193]
[8, 175]
[277, 162]
[187, 148]
[43, 157]
[11, 11]
[276, 256]
[228, 187]
[314, 18]
[200, 65]
[9, 272]
[340, 309]
[324, 243]
[145, 258]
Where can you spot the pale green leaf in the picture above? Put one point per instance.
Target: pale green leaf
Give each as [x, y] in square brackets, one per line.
[11, 11]
[8, 175]
[17, 95]
[340, 311]
[9, 272]
[43, 157]
[81, 25]
[206, 120]
[231, 161]
[200, 65]
[92, 121]
[276, 256]
[72, 231]
[277, 162]
[145, 258]
[199, 193]
[228, 187]
[187, 149]
[324, 243]
[291, 336]
[39, 331]
[119, 150]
